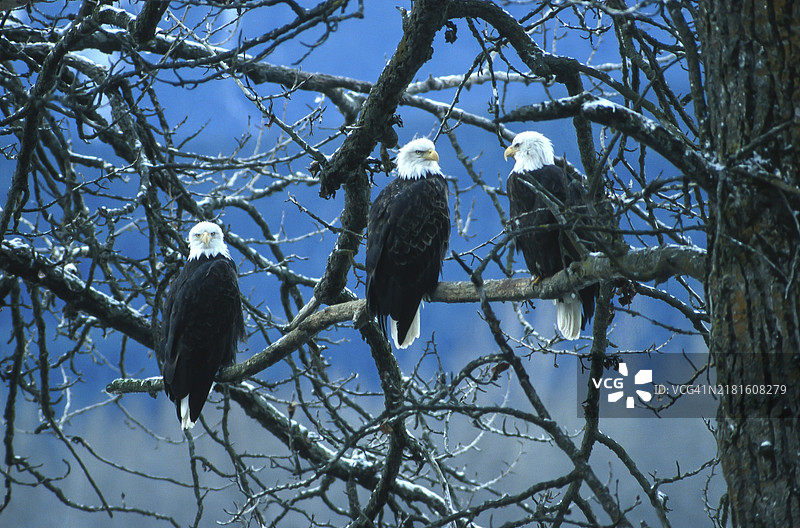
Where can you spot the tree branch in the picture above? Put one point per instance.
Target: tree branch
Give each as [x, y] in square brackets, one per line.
[18, 259]
[656, 264]
[296, 437]
[33, 111]
[412, 52]
[666, 142]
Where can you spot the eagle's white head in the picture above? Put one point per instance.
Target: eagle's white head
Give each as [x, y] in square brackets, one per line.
[206, 239]
[531, 151]
[417, 158]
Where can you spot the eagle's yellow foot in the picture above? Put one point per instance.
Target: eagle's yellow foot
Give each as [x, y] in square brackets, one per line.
[536, 279]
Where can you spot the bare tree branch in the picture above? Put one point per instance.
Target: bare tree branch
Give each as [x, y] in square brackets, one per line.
[425, 19]
[18, 259]
[658, 264]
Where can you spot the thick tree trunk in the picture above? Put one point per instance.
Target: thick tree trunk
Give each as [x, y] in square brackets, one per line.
[751, 52]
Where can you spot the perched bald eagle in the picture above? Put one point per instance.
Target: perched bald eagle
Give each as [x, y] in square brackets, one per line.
[546, 248]
[407, 237]
[202, 322]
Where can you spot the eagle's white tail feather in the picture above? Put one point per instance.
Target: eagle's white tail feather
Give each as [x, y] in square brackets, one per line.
[568, 316]
[411, 335]
[186, 421]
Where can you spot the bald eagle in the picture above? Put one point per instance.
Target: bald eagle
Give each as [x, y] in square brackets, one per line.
[407, 237]
[202, 322]
[546, 247]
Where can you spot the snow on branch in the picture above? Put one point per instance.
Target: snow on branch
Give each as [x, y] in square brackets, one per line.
[670, 144]
[18, 259]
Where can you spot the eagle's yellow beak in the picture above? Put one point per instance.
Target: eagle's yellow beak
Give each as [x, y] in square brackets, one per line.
[509, 152]
[431, 155]
[205, 236]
